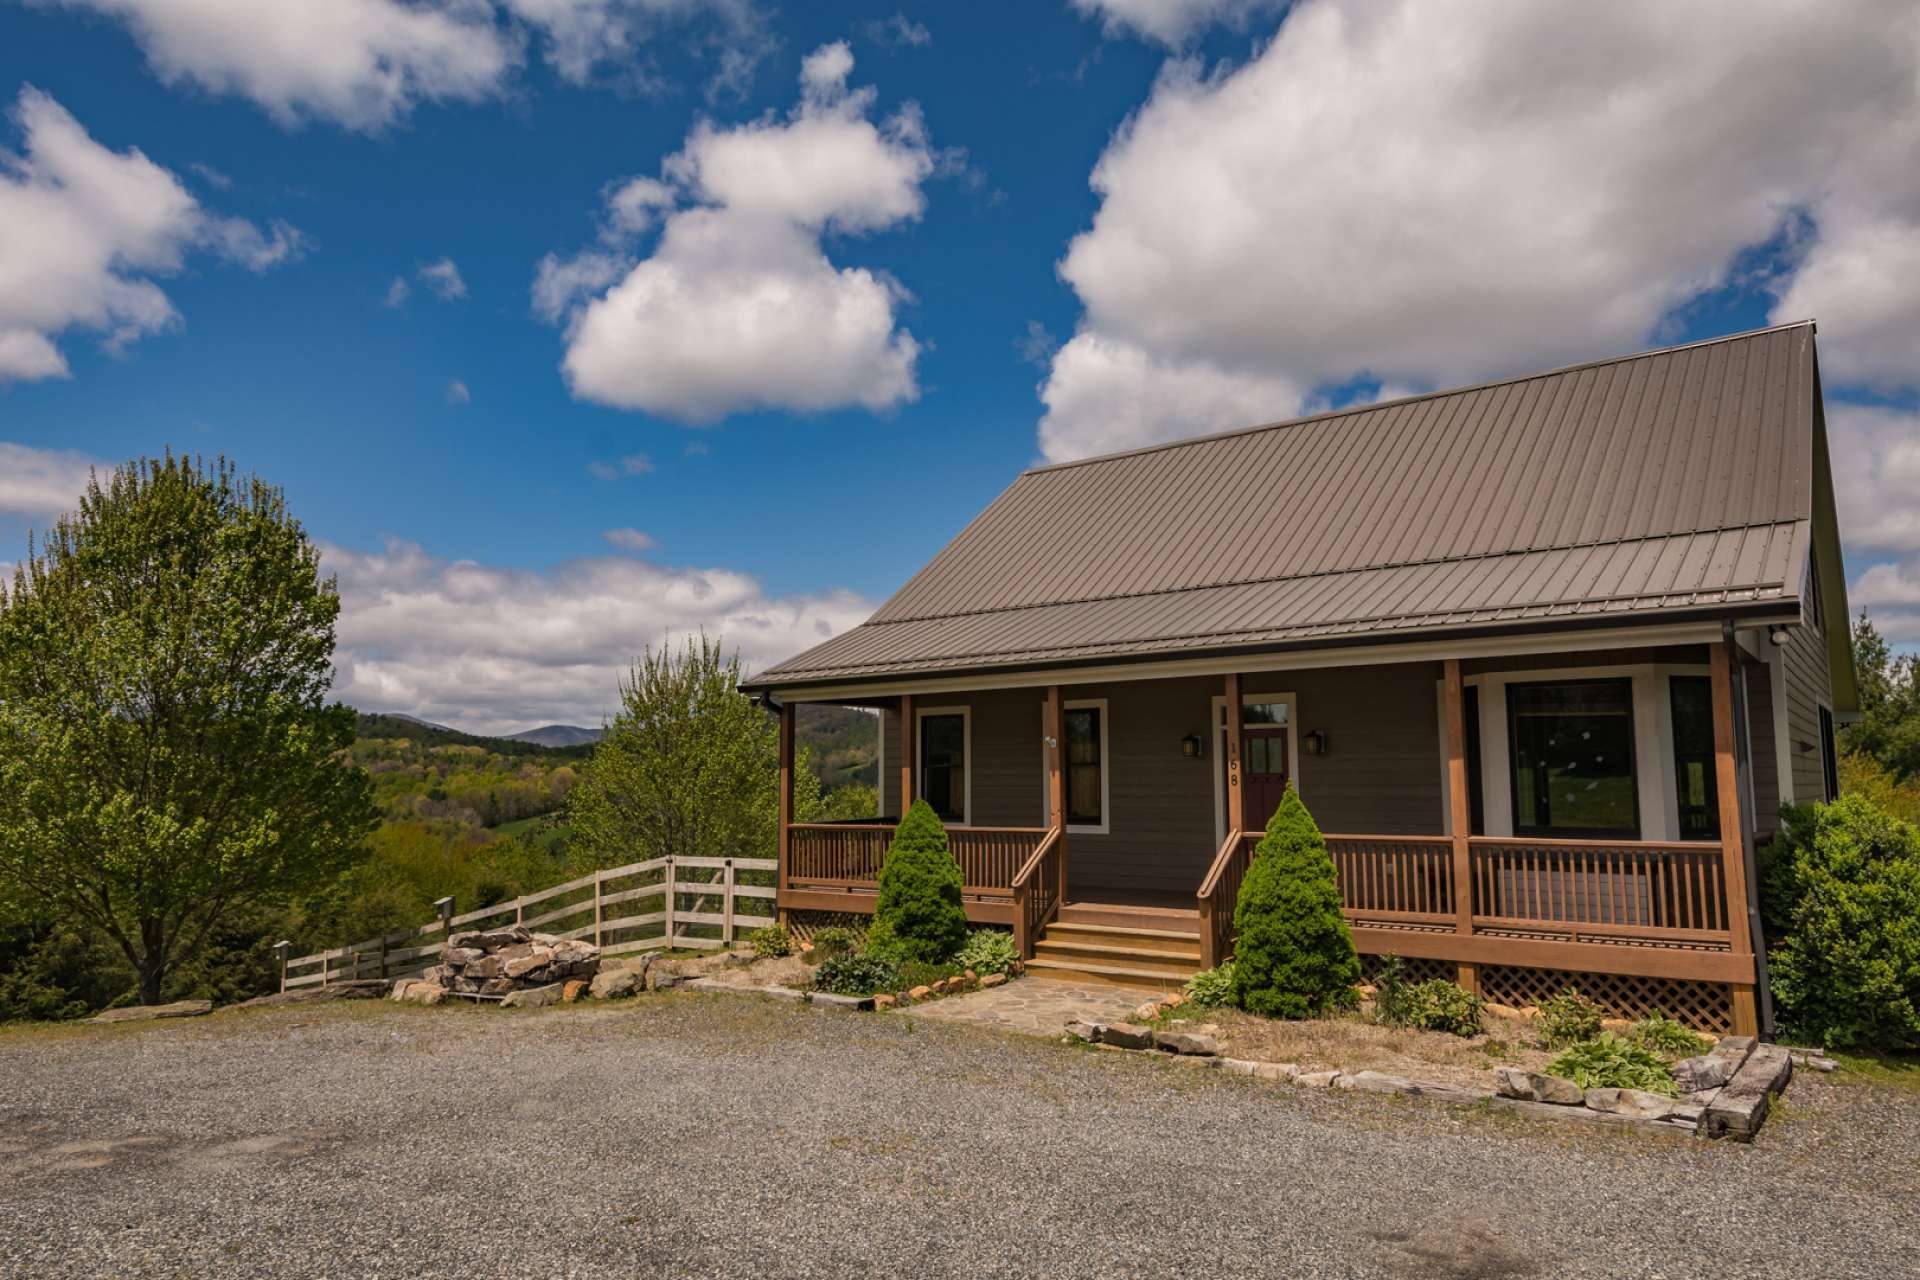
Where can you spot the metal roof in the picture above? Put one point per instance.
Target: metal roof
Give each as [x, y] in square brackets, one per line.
[1666, 481]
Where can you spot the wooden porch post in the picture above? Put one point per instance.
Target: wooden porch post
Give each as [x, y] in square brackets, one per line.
[1460, 813]
[909, 739]
[1236, 797]
[1057, 783]
[1733, 856]
[786, 814]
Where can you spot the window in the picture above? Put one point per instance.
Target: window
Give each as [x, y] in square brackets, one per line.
[1829, 764]
[943, 763]
[1263, 713]
[1085, 765]
[1695, 769]
[1572, 759]
[1476, 793]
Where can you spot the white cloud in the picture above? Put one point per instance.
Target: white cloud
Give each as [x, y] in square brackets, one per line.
[738, 306]
[495, 649]
[1428, 194]
[443, 278]
[359, 63]
[628, 539]
[397, 292]
[86, 230]
[42, 482]
[1173, 22]
[457, 393]
[585, 39]
[634, 464]
[898, 32]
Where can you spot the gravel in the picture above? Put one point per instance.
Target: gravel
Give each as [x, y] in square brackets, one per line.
[697, 1134]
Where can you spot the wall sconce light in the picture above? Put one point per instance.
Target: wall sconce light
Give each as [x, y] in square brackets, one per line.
[1777, 633]
[1190, 746]
[1315, 743]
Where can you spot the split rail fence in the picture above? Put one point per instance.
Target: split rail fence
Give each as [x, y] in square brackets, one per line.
[659, 903]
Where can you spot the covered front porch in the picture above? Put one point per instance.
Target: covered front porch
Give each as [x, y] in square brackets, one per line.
[1513, 820]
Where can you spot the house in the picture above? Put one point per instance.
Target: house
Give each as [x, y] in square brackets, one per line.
[1544, 657]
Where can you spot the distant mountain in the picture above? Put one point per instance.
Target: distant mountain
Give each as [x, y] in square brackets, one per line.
[424, 724]
[425, 732]
[557, 735]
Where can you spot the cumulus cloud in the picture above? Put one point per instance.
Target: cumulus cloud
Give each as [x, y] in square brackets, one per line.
[364, 64]
[495, 649]
[457, 392]
[87, 230]
[42, 482]
[443, 278]
[1173, 22]
[738, 307]
[398, 292]
[898, 32]
[634, 464]
[628, 539]
[1428, 194]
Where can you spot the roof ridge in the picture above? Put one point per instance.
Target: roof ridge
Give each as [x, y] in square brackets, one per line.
[1470, 558]
[1348, 410]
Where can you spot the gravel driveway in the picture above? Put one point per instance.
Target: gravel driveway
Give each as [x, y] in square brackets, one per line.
[718, 1135]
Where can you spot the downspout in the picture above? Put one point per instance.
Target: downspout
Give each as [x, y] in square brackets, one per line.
[1743, 771]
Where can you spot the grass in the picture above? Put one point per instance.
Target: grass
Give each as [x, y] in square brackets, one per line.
[540, 831]
[1894, 1070]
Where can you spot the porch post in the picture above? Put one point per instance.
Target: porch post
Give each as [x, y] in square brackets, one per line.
[1057, 783]
[909, 739]
[1460, 813]
[1721, 657]
[786, 813]
[1236, 799]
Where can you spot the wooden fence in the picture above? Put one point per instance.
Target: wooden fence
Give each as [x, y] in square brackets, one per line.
[662, 902]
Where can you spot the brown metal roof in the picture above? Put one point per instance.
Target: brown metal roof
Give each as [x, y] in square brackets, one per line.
[1670, 480]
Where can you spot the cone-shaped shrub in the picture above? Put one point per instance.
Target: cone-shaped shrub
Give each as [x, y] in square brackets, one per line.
[1294, 957]
[918, 916]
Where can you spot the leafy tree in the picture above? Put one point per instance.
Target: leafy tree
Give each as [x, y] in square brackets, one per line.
[167, 755]
[1841, 888]
[1294, 957]
[918, 916]
[1889, 728]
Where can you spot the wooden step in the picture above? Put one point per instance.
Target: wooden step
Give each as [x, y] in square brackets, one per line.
[1167, 919]
[1105, 935]
[1105, 974]
[1170, 964]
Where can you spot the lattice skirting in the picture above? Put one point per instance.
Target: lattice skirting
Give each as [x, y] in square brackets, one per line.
[802, 925]
[1704, 1006]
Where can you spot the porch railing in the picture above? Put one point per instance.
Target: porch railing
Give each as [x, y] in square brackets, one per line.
[1039, 887]
[849, 854]
[1634, 893]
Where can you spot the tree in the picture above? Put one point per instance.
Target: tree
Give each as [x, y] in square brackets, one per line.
[1294, 957]
[167, 755]
[917, 915]
[1889, 728]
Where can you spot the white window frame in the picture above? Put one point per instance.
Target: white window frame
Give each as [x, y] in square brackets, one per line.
[966, 757]
[1105, 826]
[1217, 736]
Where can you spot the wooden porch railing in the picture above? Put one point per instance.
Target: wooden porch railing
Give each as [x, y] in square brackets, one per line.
[848, 855]
[1039, 887]
[1649, 894]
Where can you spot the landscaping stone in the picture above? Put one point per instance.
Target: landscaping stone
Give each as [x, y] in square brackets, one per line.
[490, 939]
[1086, 1031]
[885, 1002]
[1714, 1068]
[532, 997]
[831, 1000]
[150, 1012]
[1636, 1103]
[1316, 1079]
[615, 985]
[993, 980]
[1148, 1011]
[1813, 1060]
[573, 989]
[1190, 1043]
[1739, 1109]
[1283, 1071]
[1532, 1086]
[1125, 1035]
[424, 993]
[920, 992]
[1381, 1082]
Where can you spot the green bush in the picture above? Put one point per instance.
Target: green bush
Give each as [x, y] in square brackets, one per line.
[917, 914]
[1842, 888]
[771, 942]
[1436, 1005]
[988, 951]
[856, 973]
[832, 941]
[1211, 987]
[1568, 1018]
[1662, 1035]
[1294, 957]
[1608, 1062]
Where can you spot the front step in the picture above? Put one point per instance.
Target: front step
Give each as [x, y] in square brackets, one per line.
[1158, 959]
[1164, 919]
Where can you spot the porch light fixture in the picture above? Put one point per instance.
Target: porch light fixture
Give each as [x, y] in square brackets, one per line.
[1190, 746]
[1777, 633]
[1315, 743]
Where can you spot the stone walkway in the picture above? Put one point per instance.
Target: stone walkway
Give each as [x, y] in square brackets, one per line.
[1035, 1006]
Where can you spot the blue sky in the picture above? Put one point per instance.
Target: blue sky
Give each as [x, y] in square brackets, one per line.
[984, 264]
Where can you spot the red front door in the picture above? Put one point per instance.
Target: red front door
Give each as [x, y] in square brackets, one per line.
[1264, 759]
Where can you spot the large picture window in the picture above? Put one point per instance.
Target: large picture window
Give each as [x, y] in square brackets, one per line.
[1571, 745]
[943, 763]
[1693, 757]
